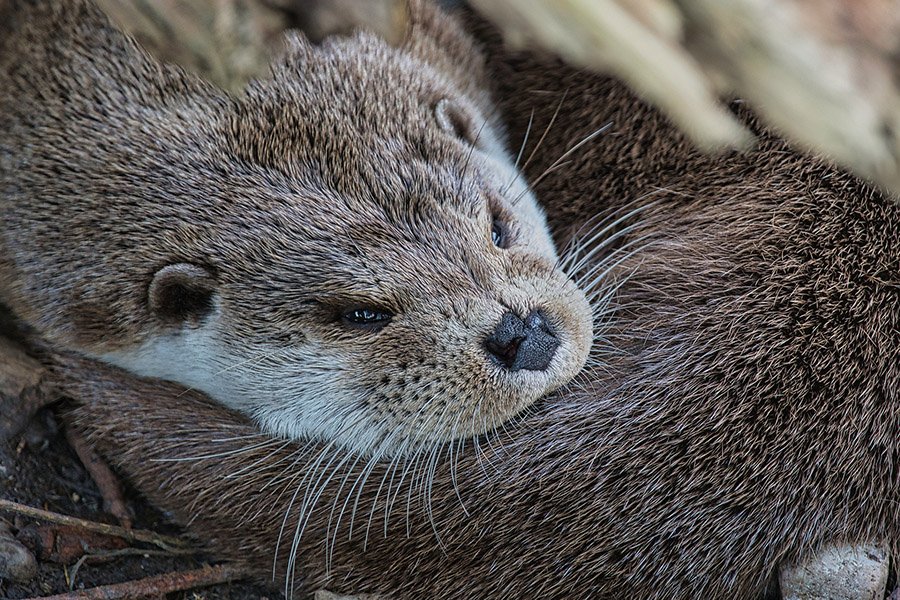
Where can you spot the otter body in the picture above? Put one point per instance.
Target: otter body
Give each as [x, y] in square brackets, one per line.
[745, 416]
[346, 253]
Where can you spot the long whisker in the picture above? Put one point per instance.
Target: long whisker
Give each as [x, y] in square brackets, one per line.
[310, 469]
[453, 464]
[410, 487]
[433, 461]
[588, 238]
[367, 471]
[558, 162]
[613, 261]
[329, 549]
[267, 442]
[391, 469]
[251, 468]
[472, 148]
[518, 173]
[562, 99]
[308, 506]
[299, 454]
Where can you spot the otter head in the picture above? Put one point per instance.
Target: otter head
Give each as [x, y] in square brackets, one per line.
[345, 253]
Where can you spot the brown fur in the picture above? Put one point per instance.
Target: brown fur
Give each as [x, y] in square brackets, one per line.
[127, 185]
[746, 414]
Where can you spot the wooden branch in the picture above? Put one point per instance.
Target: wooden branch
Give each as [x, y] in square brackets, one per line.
[156, 586]
[166, 542]
[106, 480]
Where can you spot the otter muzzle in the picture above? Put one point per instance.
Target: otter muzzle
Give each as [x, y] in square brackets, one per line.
[519, 344]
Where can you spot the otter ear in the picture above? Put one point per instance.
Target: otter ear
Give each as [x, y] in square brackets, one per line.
[455, 120]
[182, 294]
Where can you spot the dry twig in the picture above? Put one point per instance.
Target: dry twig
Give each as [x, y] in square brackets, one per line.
[166, 542]
[106, 480]
[153, 587]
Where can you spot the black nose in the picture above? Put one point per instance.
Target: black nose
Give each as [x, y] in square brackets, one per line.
[518, 344]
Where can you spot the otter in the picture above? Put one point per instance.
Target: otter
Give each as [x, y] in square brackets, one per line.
[347, 253]
[744, 416]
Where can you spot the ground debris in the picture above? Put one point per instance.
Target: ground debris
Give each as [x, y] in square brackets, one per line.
[106, 480]
[155, 586]
[65, 544]
[840, 572]
[16, 561]
[168, 543]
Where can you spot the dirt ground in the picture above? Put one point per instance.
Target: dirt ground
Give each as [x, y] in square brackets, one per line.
[46, 474]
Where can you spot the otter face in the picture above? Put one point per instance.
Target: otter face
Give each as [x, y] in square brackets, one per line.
[385, 278]
[346, 253]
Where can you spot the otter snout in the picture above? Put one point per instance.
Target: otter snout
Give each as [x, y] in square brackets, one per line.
[519, 344]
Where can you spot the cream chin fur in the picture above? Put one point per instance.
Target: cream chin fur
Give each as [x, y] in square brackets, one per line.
[308, 403]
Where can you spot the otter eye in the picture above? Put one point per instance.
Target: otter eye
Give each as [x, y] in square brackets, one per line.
[365, 317]
[498, 234]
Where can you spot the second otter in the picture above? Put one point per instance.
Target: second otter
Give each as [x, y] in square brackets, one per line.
[347, 253]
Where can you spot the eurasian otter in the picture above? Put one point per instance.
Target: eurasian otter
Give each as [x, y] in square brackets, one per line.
[346, 253]
[746, 413]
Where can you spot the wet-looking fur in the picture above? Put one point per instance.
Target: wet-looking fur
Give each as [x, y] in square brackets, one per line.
[330, 253]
